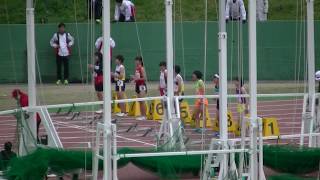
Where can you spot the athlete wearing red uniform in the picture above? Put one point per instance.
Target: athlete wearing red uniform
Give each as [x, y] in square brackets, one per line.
[141, 87]
[23, 101]
[140, 79]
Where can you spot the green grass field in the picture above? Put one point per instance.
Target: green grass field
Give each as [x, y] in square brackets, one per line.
[13, 11]
[52, 94]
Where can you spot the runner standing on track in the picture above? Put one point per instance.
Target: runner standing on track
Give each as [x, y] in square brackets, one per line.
[119, 79]
[163, 78]
[140, 83]
[240, 91]
[242, 104]
[216, 92]
[23, 101]
[200, 103]
[98, 76]
[178, 82]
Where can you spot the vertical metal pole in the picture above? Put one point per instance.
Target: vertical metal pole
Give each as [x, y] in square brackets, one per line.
[31, 73]
[253, 87]
[261, 172]
[107, 149]
[310, 49]
[169, 49]
[95, 165]
[114, 153]
[311, 65]
[223, 83]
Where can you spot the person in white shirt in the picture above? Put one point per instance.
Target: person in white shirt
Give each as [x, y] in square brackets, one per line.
[235, 11]
[163, 78]
[62, 43]
[99, 45]
[178, 82]
[262, 10]
[124, 11]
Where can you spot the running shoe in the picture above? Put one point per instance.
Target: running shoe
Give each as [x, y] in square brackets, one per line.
[51, 176]
[142, 118]
[120, 114]
[99, 111]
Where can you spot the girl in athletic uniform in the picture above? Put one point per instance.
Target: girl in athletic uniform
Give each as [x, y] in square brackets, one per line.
[241, 90]
[163, 78]
[140, 83]
[216, 92]
[98, 76]
[200, 103]
[178, 82]
[119, 79]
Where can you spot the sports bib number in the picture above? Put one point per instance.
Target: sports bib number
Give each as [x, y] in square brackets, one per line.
[142, 88]
[120, 83]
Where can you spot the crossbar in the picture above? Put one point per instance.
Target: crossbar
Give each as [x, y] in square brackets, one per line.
[152, 98]
[182, 153]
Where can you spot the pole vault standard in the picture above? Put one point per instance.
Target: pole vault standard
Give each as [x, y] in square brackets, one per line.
[29, 138]
[107, 135]
[253, 92]
[311, 68]
[166, 126]
[222, 35]
[310, 49]
[169, 49]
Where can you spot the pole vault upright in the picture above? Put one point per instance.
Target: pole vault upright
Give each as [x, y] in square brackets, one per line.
[310, 49]
[253, 91]
[311, 64]
[223, 84]
[29, 139]
[107, 169]
[169, 59]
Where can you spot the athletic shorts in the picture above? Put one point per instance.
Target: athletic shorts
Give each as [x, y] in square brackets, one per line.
[163, 92]
[141, 87]
[98, 87]
[199, 102]
[182, 94]
[217, 106]
[120, 86]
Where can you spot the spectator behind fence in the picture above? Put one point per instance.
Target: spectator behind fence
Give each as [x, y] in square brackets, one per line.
[262, 10]
[124, 11]
[6, 155]
[62, 42]
[235, 11]
[95, 9]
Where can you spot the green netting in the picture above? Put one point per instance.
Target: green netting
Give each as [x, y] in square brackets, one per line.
[288, 177]
[291, 159]
[36, 165]
[288, 159]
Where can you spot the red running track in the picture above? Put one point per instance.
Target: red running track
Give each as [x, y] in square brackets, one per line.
[79, 133]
